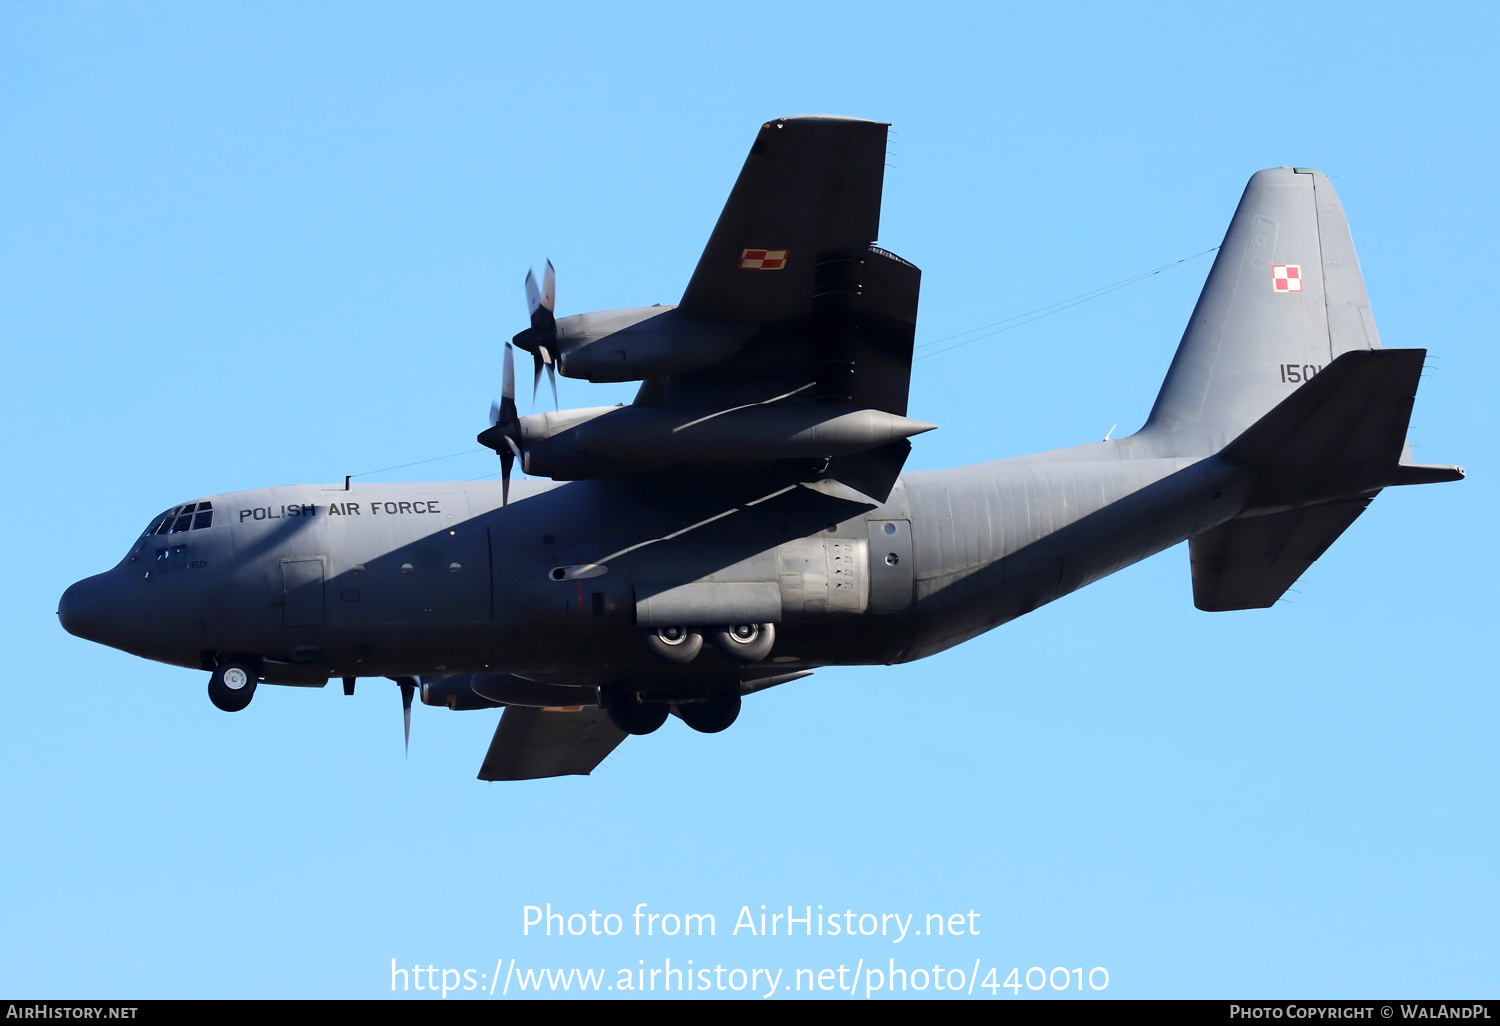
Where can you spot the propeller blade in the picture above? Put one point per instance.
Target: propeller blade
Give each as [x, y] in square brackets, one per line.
[548, 297]
[408, 689]
[508, 375]
[533, 294]
[508, 420]
[540, 340]
[539, 304]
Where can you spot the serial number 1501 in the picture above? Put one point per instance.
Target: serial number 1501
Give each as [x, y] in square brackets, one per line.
[1293, 373]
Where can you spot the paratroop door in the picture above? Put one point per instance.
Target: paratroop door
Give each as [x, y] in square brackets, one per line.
[302, 584]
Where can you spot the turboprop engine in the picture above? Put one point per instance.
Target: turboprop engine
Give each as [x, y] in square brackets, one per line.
[835, 353]
[621, 345]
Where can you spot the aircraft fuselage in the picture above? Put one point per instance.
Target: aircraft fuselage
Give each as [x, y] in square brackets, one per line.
[413, 579]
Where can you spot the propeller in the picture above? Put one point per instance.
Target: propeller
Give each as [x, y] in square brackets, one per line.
[540, 340]
[408, 688]
[504, 432]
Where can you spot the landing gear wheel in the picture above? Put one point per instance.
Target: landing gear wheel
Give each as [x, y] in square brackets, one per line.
[629, 713]
[745, 642]
[232, 686]
[712, 716]
[674, 644]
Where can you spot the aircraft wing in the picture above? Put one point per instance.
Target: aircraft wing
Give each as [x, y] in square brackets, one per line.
[794, 254]
[531, 743]
[809, 186]
[791, 348]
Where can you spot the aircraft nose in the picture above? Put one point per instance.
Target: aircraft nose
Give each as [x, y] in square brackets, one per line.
[84, 609]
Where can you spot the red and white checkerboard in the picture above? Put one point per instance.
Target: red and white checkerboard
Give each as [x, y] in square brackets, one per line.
[1286, 277]
[763, 259]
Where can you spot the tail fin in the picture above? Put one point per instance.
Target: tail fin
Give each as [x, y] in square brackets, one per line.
[1284, 299]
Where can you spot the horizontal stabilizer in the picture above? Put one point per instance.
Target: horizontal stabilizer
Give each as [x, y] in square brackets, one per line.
[1319, 457]
[531, 743]
[1250, 562]
[1340, 435]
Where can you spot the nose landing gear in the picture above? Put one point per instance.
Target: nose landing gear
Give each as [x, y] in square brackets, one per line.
[232, 685]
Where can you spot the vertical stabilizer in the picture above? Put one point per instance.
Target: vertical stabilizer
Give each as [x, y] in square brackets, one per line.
[1284, 298]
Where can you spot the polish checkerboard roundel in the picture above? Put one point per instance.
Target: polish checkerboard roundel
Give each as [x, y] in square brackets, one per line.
[763, 259]
[1286, 277]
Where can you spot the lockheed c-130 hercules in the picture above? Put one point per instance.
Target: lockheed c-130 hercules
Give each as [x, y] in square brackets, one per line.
[745, 520]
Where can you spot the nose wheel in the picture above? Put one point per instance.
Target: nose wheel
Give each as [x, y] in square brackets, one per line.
[231, 686]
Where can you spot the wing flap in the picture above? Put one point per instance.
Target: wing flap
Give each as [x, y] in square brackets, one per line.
[531, 743]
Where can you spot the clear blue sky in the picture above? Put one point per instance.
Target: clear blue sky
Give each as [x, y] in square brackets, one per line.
[250, 244]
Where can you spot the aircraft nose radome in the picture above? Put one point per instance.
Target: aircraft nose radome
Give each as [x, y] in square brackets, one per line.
[84, 608]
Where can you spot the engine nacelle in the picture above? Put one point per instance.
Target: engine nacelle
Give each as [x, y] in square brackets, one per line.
[643, 342]
[766, 431]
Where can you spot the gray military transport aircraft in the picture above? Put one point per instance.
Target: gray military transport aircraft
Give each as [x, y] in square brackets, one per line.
[745, 520]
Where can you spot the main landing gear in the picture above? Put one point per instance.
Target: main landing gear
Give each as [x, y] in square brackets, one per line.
[630, 710]
[232, 685]
[744, 643]
[641, 712]
[711, 715]
[674, 644]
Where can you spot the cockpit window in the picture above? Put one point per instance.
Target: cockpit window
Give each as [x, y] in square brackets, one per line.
[190, 516]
